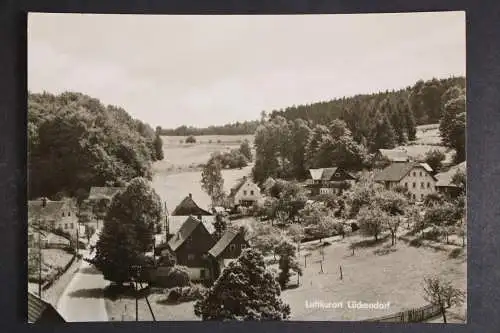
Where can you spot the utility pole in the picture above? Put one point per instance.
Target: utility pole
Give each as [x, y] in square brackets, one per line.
[135, 276]
[39, 258]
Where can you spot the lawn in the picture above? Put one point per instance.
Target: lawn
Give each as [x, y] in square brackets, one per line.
[394, 275]
[53, 260]
[123, 309]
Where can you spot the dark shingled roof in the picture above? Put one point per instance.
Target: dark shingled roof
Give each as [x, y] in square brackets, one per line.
[326, 173]
[184, 232]
[396, 171]
[189, 207]
[222, 244]
[103, 192]
[37, 308]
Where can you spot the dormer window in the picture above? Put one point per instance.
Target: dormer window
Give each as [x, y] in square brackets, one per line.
[337, 175]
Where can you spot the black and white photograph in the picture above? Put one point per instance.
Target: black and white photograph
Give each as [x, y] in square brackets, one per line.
[247, 167]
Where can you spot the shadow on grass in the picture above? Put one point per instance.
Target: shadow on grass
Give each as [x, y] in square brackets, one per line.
[114, 292]
[371, 242]
[89, 270]
[385, 250]
[88, 293]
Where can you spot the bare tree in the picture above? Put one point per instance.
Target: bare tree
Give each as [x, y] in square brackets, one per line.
[440, 292]
[392, 224]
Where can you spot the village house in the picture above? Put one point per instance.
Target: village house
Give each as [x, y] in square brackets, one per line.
[329, 180]
[227, 249]
[246, 193]
[445, 183]
[416, 177]
[185, 209]
[190, 246]
[53, 215]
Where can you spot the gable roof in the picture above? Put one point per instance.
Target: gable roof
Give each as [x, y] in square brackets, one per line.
[189, 207]
[38, 307]
[444, 179]
[223, 243]
[105, 192]
[326, 173]
[175, 223]
[396, 171]
[238, 186]
[52, 209]
[395, 155]
[184, 232]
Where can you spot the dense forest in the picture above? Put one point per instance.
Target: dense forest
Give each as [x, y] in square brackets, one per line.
[75, 142]
[237, 128]
[346, 132]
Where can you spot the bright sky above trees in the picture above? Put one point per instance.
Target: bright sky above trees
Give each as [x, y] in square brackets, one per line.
[204, 70]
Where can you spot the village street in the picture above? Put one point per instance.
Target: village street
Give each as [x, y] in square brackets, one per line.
[83, 299]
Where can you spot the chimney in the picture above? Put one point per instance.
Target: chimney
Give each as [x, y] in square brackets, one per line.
[190, 196]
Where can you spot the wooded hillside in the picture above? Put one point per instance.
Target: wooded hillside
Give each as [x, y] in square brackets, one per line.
[75, 142]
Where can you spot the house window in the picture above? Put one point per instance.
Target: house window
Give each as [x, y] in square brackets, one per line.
[244, 192]
[251, 192]
[414, 184]
[65, 226]
[421, 195]
[232, 247]
[420, 173]
[428, 185]
[414, 174]
[406, 185]
[69, 213]
[190, 257]
[62, 214]
[414, 196]
[422, 185]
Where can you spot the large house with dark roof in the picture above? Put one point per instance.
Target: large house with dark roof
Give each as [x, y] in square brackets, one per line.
[106, 192]
[228, 248]
[416, 177]
[191, 245]
[52, 215]
[186, 208]
[42, 312]
[329, 180]
[245, 193]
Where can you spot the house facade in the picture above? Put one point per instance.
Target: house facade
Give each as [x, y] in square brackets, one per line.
[415, 177]
[246, 193]
[329, 180]
[54, 215]
[228, 248]
[190, 246]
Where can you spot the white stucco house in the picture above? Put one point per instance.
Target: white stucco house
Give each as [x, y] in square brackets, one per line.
[245, 193]
[416, 177]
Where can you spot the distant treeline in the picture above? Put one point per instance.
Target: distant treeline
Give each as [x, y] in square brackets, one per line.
[75, 142]
[238, 128]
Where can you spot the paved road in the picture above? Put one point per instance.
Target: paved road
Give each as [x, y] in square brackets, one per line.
[83, 299]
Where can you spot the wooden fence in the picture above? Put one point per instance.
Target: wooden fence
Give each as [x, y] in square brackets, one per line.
[410, 316]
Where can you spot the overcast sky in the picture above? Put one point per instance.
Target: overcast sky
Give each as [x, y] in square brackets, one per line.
[204, 70]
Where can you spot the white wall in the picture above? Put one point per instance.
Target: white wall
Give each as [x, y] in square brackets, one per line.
[418, 176]
[247, 188]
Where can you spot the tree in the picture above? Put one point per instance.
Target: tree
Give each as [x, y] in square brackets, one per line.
[158, 144]
[128, 230]
[296, 233]
[434, 158]
[382, 134]
[212, 181]
[246, 290]
[452, 126]
[441, 292]
[220, 224]
[292, 199]
[392, 224]
[287, 263]
[391, 202]
[245, 150]
[190, 139]
[371, 220]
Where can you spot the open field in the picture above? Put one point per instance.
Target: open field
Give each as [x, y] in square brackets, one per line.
[182, 157]
[172, 188]
[394, 275]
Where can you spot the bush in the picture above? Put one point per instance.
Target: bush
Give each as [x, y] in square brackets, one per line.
[190, 139]
[433, 234]
[417, 242]
[185, 294]
[177, 277]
